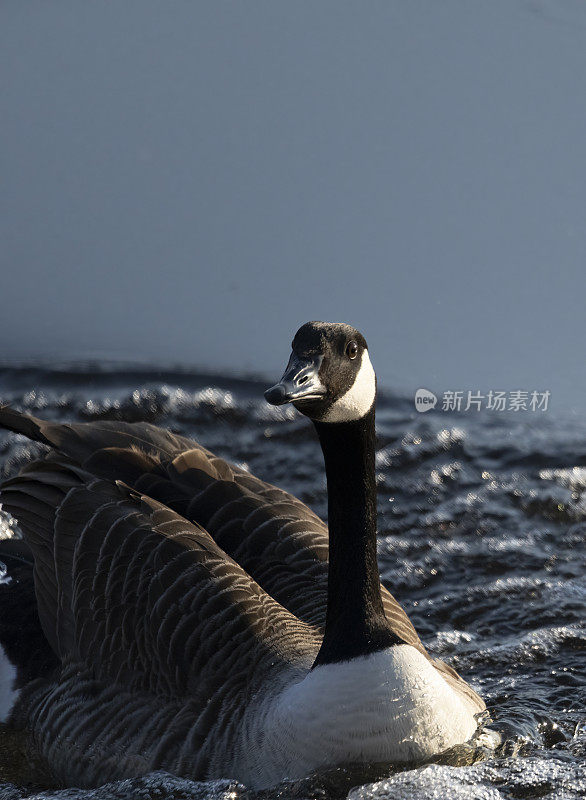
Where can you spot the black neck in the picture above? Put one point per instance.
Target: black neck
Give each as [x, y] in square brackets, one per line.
[355, 619]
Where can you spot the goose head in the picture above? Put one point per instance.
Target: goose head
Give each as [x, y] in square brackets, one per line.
[329, 377]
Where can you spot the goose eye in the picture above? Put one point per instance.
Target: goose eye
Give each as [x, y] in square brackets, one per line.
[351, 349]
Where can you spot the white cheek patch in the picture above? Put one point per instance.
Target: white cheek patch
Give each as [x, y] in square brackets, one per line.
[358, 399]
[8, 695]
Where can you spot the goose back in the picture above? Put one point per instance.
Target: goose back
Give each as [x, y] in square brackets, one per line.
[275, 537]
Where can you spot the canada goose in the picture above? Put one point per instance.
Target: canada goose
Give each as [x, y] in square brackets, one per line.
[198, 623]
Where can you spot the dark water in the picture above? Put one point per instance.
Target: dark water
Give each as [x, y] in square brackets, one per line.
[482, 520]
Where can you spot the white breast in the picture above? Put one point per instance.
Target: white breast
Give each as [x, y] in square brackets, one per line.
[8, 694]
[390, 706]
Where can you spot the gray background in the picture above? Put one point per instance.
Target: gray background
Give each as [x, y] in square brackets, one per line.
[190, 181]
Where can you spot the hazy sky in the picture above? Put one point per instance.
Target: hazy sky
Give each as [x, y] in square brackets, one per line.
[190, 181]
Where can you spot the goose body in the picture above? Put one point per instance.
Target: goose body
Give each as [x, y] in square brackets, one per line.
[199, 620]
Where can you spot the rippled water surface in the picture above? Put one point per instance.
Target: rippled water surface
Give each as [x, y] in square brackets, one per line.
[482, 520]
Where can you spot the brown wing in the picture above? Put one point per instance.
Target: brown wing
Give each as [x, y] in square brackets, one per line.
[275, 537]
[148, 616]
[113, 567]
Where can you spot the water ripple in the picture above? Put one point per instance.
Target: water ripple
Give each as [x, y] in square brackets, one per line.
[482, 538]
